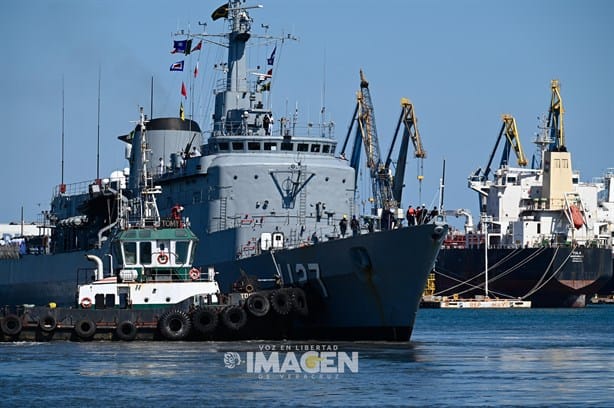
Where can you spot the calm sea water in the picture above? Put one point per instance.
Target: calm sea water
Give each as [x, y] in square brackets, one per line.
[535, 357]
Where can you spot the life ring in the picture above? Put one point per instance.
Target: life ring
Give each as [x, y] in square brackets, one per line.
[234, 317]
[205, 320]
[258, 304]
[48, 323]
[85, 328]
[175, 325]
[194, 274]
[126, 330]
[86, 303]
[299, 301]
[11, 325]
[162, 259]
[281, 302]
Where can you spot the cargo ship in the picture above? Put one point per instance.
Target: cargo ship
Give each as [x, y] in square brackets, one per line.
[267, 197]
[542, 233]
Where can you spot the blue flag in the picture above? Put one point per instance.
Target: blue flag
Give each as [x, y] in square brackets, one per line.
[177, 66]
[271, 59]
[180, 46]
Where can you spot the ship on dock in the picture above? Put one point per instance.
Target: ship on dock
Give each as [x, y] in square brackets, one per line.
[266, 197]
[542, 234]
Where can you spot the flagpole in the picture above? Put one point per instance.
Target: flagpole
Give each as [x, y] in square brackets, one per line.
[98, 130]
[151, 97]
[62, 173]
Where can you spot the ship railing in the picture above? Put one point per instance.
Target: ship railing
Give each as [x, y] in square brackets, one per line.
[281, 128]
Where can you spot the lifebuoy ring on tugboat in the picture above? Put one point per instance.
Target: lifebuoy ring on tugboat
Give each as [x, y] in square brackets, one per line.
[162, 259]
[86, 303]
[194, 274]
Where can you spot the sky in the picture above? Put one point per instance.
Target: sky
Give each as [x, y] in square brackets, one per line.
[463, 63]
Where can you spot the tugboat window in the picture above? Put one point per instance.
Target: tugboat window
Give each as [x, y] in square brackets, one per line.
[130, 253]
[253, 146]
[145, 253]
[223, 146]
[286, 147]
[302, 147]
[325, 148]
[181, 252]
[237, 146]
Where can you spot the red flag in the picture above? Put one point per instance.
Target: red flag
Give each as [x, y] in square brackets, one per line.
[184, 91]
[198, 46]
[196, 70]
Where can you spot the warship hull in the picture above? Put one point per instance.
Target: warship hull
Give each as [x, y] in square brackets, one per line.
[548, 277]
[359, 288]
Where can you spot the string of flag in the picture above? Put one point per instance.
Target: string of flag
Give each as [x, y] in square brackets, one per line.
[185, 47]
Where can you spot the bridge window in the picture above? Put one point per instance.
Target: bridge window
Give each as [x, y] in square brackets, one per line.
[145, 253]
[325, 148]
[315, 148]
[253, 146]
[223, 146]
[237, 146]
[270, 146]
[302, 147]
[181, 252]
[130, 253]
[285, 146]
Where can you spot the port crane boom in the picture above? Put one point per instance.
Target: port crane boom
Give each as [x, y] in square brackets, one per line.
[410, 132]
[366, 135]
[555, 118]
[512, 141]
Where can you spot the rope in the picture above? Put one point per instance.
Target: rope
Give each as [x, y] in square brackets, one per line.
[538, 286]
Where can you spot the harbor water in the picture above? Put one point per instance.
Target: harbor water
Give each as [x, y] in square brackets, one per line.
[515, 357]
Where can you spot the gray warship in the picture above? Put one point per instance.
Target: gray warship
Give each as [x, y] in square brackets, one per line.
[265, 198]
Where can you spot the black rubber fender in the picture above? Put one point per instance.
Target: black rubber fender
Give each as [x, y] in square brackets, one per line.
[85, 328]
[48, 323]
[11, 325]
[299, 301]
[175, 325]
[258, 304]
[281, 301]
[234, 317]
[126, 330]
[205, 320]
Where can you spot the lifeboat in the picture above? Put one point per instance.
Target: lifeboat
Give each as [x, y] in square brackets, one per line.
[576, 216]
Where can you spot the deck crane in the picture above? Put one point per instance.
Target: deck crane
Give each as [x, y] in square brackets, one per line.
[410, 131]
[512, 141]
[555, 118]
[366, 135]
